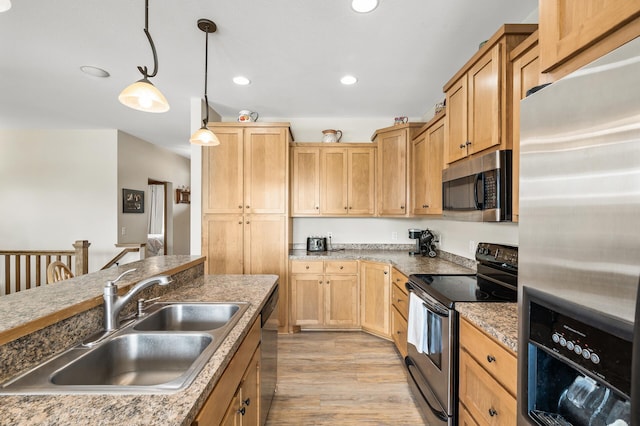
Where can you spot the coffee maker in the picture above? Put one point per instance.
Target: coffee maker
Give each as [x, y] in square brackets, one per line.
[424, 242]
[415, 234]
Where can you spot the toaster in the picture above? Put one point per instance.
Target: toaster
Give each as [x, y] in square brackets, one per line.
[316, 244]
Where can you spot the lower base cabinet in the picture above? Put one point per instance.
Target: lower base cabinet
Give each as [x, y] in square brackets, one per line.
[399, 310]
[487, 379]
[236, 398]
[375, 295]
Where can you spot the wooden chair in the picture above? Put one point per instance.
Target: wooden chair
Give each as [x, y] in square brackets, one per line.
[58, 271]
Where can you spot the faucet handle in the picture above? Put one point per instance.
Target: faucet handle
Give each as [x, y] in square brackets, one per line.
[112, 283]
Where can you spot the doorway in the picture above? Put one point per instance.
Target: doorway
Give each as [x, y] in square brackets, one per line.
[157, 226]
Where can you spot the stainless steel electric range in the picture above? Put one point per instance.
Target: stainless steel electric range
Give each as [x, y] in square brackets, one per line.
[432, 360]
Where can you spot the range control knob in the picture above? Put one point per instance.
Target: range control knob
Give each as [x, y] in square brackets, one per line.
[586, 353]
[577, 349]
[555, 337]
[563, 341]
[570, 345]
[595, 359]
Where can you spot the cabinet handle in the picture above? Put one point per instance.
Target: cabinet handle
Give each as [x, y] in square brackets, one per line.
[247, 206]
[247, 222]
[492, 412]
[341, 267]
[242, 411]
[350, 207]
[240, 206]
[319, 282]
[468, 143]
[345, 207]
[399, 300]
[491, 358]
[385, 272]
[328, 282]
[462, 146]
[399, 332]
[402, 207]
[247, 402]
[317, 207]
[306, 267]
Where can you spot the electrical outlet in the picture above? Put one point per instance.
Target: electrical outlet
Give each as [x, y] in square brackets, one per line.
[472, 246]
[394, 236]
[437, 238]
[329, 234]
[124, 231]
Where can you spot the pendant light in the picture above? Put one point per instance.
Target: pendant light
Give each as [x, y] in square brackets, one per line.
[142, 95]
[204, 136]
[5, 5]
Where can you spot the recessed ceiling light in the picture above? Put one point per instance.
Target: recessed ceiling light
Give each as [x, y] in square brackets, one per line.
[364, 6]
[348, 80]
[94, 71]
[241, 81]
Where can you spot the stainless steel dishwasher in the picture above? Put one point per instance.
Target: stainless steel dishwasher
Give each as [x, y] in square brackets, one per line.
[269, 355]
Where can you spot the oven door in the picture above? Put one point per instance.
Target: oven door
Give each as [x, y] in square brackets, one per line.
[430, 366]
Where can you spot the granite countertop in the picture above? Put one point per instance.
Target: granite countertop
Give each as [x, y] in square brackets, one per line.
[179, 408]
[499, 320]
[400, 259]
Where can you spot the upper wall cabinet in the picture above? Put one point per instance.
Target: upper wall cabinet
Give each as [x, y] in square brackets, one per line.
[394, 159]
[333, 179]
[247, 172]
[427, 164]
[479, 97]
[576, 32]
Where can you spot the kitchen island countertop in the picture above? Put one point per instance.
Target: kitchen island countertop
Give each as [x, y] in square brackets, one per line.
[179, 408]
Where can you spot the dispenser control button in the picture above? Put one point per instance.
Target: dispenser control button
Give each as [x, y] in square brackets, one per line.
[555, 337]
[595, 359]
[586, 353]
[563, 341]
[577, 349]
[570, 345]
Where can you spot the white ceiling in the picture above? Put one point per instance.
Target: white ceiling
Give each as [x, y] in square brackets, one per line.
[294, 51]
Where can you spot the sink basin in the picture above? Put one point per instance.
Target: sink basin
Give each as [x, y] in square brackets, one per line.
[189, 317]
[135, 360]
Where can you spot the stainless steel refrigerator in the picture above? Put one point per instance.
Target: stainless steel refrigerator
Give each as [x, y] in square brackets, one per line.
[579, 238]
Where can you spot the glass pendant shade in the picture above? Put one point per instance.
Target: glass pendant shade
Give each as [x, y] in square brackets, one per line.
[205, 137]
[5, 5]
[144, 96]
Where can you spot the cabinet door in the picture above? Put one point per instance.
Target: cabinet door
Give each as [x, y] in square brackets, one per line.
[333, 182]
[361, 188]
[222, 243]
[305, 183]
[457, 107]
[526, 74]
[375, 300]
[265, 245]
[399, 331]
[484, 102]
[569, 26]
[307, 295]
[392, 173]
[266, 177]
[434, 166]
[222, 173]
[420, 173]
[341, 300]
[250, 392]
[233, 416]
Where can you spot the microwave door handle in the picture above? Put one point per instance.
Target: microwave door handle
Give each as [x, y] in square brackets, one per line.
[475, 191]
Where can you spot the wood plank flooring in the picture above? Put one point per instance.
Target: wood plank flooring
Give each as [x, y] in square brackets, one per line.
[340, 378]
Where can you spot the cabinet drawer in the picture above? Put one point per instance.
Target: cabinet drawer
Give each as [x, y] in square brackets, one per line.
[486, 401]
[304, 267]
[492, 356]
[400, 300]
[399, 279]
[399, 331]
[341, 267]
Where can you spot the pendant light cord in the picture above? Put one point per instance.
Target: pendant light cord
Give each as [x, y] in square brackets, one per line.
[206, 73]
[144, 69]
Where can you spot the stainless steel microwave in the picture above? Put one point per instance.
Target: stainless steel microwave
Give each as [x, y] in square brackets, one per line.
[479, 189]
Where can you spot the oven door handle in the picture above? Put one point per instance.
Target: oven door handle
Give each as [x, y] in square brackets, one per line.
[441, 311]
[435, 310]
[440, 414]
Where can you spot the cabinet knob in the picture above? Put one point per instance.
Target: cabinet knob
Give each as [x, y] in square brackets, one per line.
[341, 267]
[328, 282]
[306, 267]
[247, 222]
[247, 206]
[399, 300]
[468, 143]
[399, 332]
[240, 206]
[425, 206]
[247, 402]
[317, 207]
[345, 207]
[491, 358]
[242, 411]
[350, 207]
[240, 223]
[386, 272]
[492, 412]
[319, 282]
[462, 146]
[402, 207]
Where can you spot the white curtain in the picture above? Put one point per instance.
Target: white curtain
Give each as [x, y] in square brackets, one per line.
[156, 210]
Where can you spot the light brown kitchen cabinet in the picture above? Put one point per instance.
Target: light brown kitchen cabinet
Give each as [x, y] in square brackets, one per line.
[325, 294]
[246, 228]
[393, 186]
[235, 398]
[333, 180]
[478, 97]
[427, 164]
[526, 75]
[576, 32]
[399, 310]
[375, 289]
[487, 378]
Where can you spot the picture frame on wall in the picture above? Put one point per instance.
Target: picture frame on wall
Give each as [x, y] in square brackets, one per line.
[132, 201]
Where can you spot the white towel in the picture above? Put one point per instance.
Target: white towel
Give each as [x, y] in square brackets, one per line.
[417, 322]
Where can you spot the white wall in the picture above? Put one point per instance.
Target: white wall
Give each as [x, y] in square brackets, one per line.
[139, 161]
[58, 186]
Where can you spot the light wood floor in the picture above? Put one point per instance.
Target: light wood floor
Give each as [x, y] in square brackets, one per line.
[340, 378]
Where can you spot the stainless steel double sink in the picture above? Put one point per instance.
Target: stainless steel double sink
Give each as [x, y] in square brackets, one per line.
[161, 351]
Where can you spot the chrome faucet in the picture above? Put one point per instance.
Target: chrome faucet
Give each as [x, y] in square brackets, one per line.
[113, 303]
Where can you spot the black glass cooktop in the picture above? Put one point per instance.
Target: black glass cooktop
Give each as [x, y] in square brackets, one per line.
[449, 289]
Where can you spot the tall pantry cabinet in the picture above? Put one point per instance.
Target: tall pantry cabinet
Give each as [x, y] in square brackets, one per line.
[246, 226]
